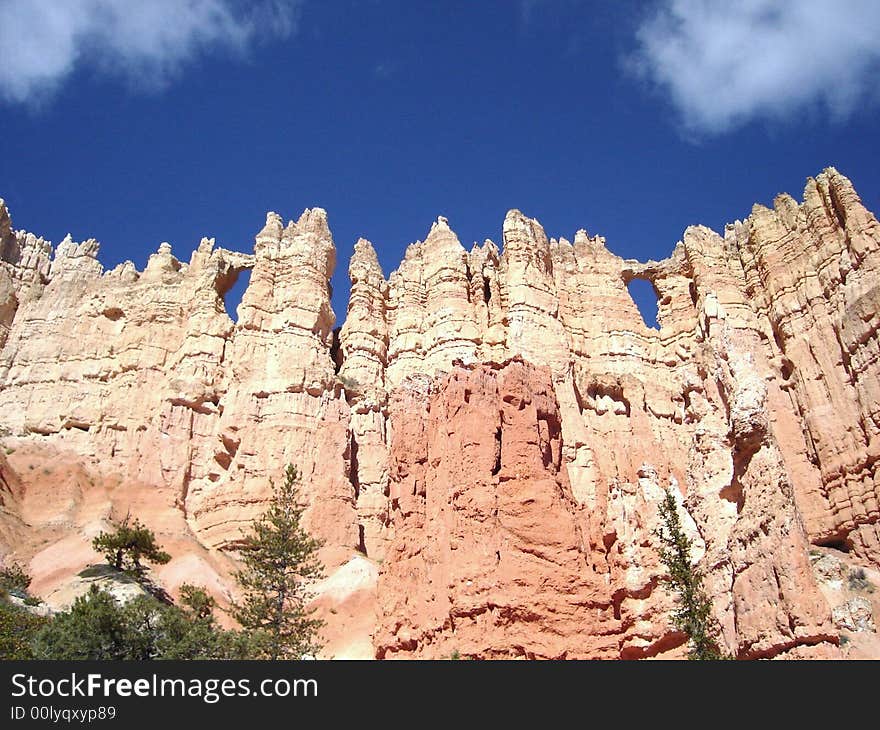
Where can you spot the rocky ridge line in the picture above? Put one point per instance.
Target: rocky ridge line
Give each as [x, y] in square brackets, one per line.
[756, 400]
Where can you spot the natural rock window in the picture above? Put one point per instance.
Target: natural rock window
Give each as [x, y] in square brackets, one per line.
[645, 297]
[232, 296]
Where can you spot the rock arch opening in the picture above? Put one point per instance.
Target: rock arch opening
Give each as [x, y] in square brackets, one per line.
[646, 299]
[231, 289]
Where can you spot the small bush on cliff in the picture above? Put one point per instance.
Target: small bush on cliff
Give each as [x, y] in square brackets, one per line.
[280, 559]
[693, 612]
[15, 579]
[128, 544]
[858, 581]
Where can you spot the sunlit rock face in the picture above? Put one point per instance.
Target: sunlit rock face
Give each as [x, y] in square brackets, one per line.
[485, 442]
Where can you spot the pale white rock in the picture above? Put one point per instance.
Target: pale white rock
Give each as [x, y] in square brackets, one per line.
[857, 614]
[756, 399]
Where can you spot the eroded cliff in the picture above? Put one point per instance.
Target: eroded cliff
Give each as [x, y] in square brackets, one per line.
[486, 440]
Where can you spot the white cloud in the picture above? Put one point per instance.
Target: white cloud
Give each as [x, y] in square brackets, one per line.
[726, 62]
[147, 42]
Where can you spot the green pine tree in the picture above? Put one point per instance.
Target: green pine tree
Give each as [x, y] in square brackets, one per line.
[128, 544]
[92, 628]
[693, 612]
[280, 559]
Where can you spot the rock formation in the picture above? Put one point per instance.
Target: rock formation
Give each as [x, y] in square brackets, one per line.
[485, 441]
[492, 556]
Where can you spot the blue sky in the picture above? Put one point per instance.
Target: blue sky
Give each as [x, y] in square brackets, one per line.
[172, 120]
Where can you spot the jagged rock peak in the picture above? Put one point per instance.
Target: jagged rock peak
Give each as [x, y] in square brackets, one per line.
[5, 221]
[271, 231]
[74, 259]
[525, 241]
[443, 234]
[8, 244]
[457, 466]
[125, 271]
[163, 260]
[839, 193]
[486, 252]
[442, 222]
[831, 176]
[582, 238]
[561, 241]
[314, 220]
[364, 258]
[309, 237]
[71, 249]
[207, 244]
[486, 246]
[413, 251]
[519, 228]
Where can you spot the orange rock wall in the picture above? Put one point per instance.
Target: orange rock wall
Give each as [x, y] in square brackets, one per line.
[494, 427]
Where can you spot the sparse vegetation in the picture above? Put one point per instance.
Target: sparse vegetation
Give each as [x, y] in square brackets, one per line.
[15, 579]
[279, 558]
[858, 581]
[693, 612]
[350, 384]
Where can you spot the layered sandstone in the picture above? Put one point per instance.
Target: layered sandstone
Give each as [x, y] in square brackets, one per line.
[491, 429]
[145, 374]
[489, 557]
[12, 528]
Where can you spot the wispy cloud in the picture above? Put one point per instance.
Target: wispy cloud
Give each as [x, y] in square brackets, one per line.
[726, 62]
[148, 43]
[384, 70]
[527, 10]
